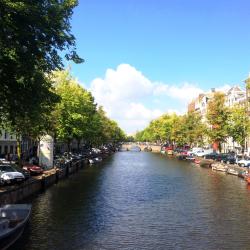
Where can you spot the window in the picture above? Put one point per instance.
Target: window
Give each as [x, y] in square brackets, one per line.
[5, 135]
[11, 149]
[6, 149]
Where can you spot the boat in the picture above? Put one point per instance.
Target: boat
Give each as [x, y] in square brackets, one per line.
[243, 174]
[98, 159]
[232, 171]
[247, 180]
[13, 219]
[190, 158]
[219, 167]
[91, 161]
[170, 152]
[205, 163]
[197, 161]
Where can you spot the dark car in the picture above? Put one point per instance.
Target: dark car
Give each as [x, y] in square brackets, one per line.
[226, 158]
[229, 159]
[212, 156]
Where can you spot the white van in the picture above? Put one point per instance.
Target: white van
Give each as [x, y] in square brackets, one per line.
[194, 151]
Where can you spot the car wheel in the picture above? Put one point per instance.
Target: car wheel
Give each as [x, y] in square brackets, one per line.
[242, 165]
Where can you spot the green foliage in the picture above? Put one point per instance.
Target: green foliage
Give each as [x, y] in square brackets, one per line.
[173, 129]
[217, 116]
[32, 34]
[239, 125]
[105, 130]
[76, 116]
[73, 114]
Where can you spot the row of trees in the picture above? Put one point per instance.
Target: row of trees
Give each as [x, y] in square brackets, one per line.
[36, 97]
[219, 123]
[77, 117]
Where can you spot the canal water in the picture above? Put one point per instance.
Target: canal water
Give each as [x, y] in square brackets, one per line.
[139, 200]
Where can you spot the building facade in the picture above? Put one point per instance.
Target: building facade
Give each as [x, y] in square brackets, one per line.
[234, 96]
[8, 143]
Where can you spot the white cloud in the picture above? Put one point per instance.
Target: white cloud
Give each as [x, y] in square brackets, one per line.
[186, 92]
[223, 88]
[133, 100]
[124, 83]
[122, 93]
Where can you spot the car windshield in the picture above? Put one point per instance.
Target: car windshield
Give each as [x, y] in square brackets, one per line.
[7, 168]
[17, 168]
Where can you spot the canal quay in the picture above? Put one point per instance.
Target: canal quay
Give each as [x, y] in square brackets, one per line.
[140, 200]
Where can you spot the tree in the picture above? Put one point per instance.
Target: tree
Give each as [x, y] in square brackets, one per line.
[105, 129]
[179, 131]
[174, 129]
[75, 111]
[217, 116]
[239, 125]
[195, 129]
[32, 36]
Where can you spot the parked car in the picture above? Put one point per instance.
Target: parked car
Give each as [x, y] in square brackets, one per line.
[228, 158]
[212, 156]
[25, 172]
[203, 152]
[194, 150]
[9, 175]
[33, 169]
[244, 162]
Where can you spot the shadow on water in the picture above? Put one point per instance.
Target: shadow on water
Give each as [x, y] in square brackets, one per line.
[141, 201]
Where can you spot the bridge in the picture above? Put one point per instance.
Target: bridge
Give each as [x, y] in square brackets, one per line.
[142, 147]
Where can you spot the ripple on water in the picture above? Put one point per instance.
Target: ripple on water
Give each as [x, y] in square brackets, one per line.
[141, 201]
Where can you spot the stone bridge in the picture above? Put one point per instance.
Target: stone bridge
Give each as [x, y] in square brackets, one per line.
[129, 146]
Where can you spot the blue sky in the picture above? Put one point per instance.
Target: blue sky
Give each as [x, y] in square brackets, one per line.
[172, 48]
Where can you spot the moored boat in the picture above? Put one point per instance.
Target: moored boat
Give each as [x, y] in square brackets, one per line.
[197, 161]
[13, 219]
[232, 171]
[170, 152]
[247, 178]
[190, 158]
[243, 174]
[219, 167]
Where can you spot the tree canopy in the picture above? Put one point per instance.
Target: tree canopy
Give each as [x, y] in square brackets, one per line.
[174, 129]
[217, 116]
[32, 36]
[76, 116]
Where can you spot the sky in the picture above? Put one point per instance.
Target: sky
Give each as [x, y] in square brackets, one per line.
[144, 58]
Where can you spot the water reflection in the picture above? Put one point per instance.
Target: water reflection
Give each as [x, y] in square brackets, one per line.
[141, 201]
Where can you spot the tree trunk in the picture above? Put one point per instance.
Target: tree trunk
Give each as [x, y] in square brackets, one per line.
[219, 147]
[243, 147]
[68, 145]
[78, 145]
[18, 142]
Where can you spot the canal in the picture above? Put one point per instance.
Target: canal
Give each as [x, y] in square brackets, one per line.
[141, 201]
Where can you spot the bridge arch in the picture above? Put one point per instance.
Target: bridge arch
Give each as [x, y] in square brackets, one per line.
[143, 147]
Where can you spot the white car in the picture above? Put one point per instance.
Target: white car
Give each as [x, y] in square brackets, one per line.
[203, 152]
[9, 175]
[244, 163]
[194, 151]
